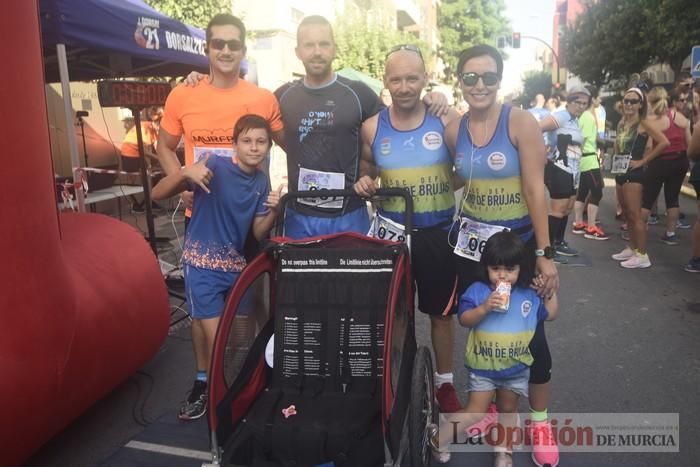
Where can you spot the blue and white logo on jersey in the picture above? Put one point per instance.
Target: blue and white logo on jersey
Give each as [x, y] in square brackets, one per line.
[432, 140]
[526, 308]
[496, 161]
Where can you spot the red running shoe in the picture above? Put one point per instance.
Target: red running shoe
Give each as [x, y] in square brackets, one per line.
[447, 398]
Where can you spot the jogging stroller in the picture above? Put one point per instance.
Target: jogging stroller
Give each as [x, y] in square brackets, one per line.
[315, 360]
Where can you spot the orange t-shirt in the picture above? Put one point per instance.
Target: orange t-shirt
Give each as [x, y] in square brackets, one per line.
[130, 147]
[206, 115]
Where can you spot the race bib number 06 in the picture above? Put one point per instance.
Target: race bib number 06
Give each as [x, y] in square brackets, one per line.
[311, 180]
[386, 229]
[473, 236]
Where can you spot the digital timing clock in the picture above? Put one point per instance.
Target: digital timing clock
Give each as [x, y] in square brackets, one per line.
[132, 93]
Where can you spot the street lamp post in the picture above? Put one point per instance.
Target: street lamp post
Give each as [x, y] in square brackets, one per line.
[554, 54]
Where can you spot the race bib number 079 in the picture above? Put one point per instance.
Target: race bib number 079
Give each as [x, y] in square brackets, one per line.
[472, 238]
[386, 229]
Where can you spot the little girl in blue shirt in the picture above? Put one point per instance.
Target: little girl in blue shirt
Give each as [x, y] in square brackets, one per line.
[502, 325]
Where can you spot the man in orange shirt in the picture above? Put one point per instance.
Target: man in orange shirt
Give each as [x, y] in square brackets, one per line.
[205, 115]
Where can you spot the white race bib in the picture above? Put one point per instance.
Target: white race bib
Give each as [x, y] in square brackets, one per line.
[201, 151]
[473, 236]
[573, 152]
[386, 229]
[620, 163]
[315, 180]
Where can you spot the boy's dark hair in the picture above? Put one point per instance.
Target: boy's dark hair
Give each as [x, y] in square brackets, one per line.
[507, 249]
[225, 19]
[316, 20]
[479, 51]
[251, 122]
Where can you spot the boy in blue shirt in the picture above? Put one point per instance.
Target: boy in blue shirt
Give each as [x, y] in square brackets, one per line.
[231, 196]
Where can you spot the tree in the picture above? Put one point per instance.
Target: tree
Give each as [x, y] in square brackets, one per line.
[615, 38]
[676, 26]
[463, 23]
[362, 43]
[537, 82]
[194, 12]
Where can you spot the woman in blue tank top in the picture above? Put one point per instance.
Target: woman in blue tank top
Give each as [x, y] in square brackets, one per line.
[500, 154]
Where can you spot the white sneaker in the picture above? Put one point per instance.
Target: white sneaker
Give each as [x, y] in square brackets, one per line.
[625, 254]
[638, 261]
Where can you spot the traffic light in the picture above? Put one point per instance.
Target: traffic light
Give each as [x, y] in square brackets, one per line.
[501, 42]
[516, 40]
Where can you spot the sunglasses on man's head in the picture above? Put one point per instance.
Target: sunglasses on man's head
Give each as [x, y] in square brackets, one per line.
[631, 101]
[410, 47]
[470, 78]
[234, 45]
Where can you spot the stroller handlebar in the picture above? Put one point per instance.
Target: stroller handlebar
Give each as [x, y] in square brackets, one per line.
[382, 192]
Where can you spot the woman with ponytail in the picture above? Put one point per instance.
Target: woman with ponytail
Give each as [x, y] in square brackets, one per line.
[632, 155]
[669, 169]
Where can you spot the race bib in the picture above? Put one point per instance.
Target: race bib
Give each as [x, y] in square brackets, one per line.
[620, 163]
[473, 236]
[573, 152]
[202, 151]
[386, 229]
[315, 180]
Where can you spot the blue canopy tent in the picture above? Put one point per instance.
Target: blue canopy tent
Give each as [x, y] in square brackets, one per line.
[117, 38]
[94, 39]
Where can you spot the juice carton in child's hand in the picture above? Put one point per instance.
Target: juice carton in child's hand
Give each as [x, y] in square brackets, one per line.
[503, 288]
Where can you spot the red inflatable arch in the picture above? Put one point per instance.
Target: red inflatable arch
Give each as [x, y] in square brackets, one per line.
[82, 301]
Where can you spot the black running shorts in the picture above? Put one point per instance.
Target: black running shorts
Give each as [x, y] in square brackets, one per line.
[433, 266]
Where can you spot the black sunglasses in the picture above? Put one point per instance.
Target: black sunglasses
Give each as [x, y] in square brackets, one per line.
[234, 45]
[631, 101]
[411, 47]
[489, 78]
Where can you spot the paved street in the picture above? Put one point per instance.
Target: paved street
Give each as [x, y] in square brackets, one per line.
[625, 341]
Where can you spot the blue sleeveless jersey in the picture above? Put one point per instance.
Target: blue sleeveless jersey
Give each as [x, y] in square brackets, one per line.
[419, 161]
[492, 179]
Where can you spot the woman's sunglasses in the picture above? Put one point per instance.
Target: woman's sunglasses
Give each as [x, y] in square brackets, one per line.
[489, 78]
[631, 101]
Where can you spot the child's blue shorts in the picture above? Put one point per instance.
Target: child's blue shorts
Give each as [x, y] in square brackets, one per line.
[518, 383]
[207, 291]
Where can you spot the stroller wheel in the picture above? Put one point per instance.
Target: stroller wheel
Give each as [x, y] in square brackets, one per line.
[422, 412]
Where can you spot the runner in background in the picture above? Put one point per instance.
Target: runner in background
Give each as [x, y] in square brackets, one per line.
[130, 160]
[591, 178]
[629, 161]
[562, 173]
[694, 155]
[669, 168]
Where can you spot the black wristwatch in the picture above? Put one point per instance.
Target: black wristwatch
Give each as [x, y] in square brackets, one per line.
[547, 252]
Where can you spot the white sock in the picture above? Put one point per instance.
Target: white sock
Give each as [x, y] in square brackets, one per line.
[443, 378]
[670, 234]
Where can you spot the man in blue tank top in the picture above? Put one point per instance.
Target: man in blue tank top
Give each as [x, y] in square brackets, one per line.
[406, 144]
[500, 154]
